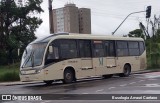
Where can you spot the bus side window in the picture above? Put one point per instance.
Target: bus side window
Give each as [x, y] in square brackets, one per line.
[55, 51]
[133, 48]
[112, 48]
[52, 56]
[85, 48]
[106, 45]
[68, 49]
[141, 47]
[122, 48]
[109, 48]
[98, 49]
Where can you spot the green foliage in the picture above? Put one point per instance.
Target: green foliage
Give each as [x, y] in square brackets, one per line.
[152, 47]
[18, 24]
[3, 57]
[136, 33]
[9, 73]
[10, 76]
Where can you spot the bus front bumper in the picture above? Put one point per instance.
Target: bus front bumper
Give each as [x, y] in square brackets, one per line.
[32, 77]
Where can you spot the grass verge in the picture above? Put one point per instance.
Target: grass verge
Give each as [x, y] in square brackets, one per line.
[9, 73]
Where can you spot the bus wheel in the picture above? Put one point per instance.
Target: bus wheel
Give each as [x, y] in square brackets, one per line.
[107, 76]
[68, 76]
[48, 82]
[127, 71]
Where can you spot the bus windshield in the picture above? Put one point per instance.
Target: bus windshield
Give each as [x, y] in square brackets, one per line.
[33, 55]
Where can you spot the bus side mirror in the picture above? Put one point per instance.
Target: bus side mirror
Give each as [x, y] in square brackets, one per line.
[50, 49]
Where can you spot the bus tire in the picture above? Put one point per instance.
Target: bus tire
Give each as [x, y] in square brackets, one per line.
[48, 82]
[107, 76]
[68, 76]
[126, 71]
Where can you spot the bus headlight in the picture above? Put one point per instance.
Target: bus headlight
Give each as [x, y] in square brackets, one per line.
[23, 72]
[31, 71]
[38, 71]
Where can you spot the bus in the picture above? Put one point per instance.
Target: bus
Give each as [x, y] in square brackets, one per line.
[68, 57]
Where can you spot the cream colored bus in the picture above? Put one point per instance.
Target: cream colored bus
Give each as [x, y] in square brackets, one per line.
[69, 57]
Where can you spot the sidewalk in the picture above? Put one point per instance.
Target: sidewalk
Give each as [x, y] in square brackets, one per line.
[23, 83]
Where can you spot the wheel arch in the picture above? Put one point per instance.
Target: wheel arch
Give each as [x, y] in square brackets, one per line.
[128, 65]
[70, 68]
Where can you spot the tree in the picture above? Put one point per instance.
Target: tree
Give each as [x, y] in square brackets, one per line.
[152, 39]
[18, 24]
[136, 33]
[152, 46]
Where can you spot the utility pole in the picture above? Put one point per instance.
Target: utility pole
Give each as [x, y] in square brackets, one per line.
[51, 26]
[125, 20]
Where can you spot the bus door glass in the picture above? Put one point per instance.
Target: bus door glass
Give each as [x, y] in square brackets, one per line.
[110, 54]
[86, 58]
[99, 61]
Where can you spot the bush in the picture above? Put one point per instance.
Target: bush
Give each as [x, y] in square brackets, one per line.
[3, 57]
[9, 73]
[10, 76]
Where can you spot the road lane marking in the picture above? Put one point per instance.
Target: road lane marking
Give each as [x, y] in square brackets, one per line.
[141, 80]
[152, 79]
[123, 85]
[103, 92]
[63, 98]
[111, 87]
[152, 85]
[85, 93]
[45, 102]
[132, 83]
[152, 76]
[100, 90]
[66, 85]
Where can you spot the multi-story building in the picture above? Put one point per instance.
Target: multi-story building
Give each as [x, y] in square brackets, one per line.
[84, 21]
[58, 20]
[69, 19]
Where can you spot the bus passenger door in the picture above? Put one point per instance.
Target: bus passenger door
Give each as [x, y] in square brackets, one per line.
[98, 59]
[110, 54]
[86, 58]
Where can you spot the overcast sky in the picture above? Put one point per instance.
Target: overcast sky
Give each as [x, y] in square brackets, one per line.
[106, 15]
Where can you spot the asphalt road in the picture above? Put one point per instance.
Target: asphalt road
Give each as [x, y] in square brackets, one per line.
[146, 83]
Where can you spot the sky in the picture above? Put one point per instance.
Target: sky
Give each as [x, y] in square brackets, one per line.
[106, 15]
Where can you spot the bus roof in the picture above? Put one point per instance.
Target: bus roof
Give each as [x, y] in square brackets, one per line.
[84, 36]
[96, 37]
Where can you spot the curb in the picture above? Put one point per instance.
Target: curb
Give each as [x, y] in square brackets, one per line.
[145, 71]
[18, 83]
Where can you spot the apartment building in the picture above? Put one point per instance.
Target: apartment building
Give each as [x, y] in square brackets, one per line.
[84, 21]
[71, 19]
